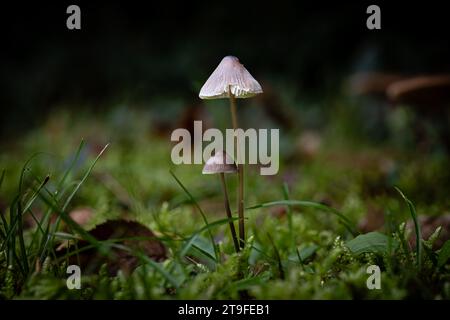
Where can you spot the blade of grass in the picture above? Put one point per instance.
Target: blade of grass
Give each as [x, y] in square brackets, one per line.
[10, 244]
[18, 218]
[300, 260]
[38, 229]
[404, 243]
[108, 242]
[160, 269]
[25, 168]
[344, 220]
[243, 284]
[62, 212]
[278, 257]
[86, 175]
[412, 211]
[20, 235]
[15, 228]
[5, 223]
[262, 252]
[72, 224]
[205, 220]
[137, 253]
[289, 213]
[204, 252]
[64, 178]
[71, 166]
[190, 241]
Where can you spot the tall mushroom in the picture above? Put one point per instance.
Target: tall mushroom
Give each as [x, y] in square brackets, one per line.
[232, 80]
[222, 163]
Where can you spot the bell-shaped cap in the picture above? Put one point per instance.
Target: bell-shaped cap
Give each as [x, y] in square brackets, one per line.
[230, 76]
[221, 162]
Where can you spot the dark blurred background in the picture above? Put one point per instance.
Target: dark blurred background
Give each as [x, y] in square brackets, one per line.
[136, 51]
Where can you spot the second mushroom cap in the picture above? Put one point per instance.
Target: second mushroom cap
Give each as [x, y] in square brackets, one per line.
[221, 162]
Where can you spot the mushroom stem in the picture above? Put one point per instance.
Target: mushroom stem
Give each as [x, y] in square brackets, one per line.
[233, 110]
[228, 211]
[240, 172]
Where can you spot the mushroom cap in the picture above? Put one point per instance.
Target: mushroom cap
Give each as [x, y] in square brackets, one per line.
[423, 90]
[230, 76]
[221, 162]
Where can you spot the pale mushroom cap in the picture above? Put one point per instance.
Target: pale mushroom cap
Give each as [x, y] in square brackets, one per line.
[221, 162]
[230, 75]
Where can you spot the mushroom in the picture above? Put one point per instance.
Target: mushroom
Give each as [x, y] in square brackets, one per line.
[423, 90]
[222, 163]
[232, 80]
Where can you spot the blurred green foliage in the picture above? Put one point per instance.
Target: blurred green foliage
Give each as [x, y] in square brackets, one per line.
[348, 170]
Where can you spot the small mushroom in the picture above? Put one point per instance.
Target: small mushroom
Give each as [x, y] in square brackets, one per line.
[222, 163]
[423, 90]
[232, 80]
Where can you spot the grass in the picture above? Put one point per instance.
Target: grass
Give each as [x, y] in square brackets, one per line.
[303, 240]
[412, 210]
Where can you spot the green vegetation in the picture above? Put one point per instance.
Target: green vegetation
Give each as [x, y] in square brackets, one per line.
[304, 238]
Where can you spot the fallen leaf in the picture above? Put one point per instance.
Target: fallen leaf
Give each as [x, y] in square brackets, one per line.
[132, 234]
